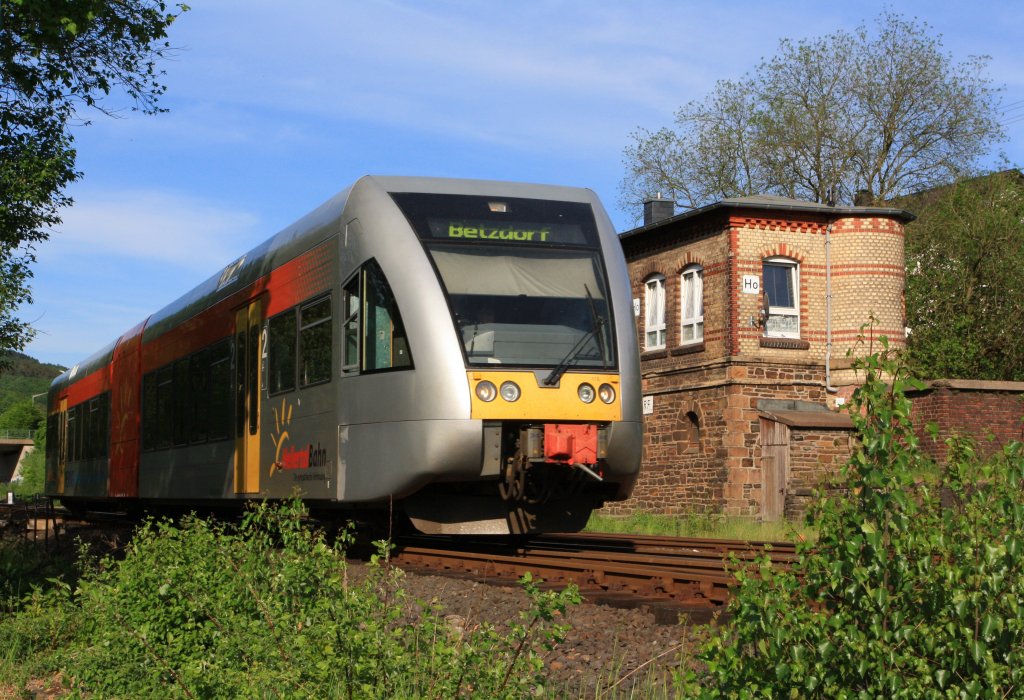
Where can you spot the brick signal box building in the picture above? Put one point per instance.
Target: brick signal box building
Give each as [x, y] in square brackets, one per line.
[746, 310]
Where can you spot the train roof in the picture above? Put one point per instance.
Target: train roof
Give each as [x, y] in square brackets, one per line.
[306, 233]
[320, 224]
[97, 360]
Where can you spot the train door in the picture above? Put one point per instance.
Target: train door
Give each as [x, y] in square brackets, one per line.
[247, 397]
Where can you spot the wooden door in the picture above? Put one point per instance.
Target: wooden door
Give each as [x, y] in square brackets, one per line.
[774, 468]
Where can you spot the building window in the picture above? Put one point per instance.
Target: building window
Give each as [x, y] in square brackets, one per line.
[692, 288]
[780, 279]
[654, 321]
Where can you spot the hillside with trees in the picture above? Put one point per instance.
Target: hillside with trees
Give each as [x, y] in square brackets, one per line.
[22, 377]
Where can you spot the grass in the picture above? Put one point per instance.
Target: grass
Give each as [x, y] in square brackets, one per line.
[698, 525]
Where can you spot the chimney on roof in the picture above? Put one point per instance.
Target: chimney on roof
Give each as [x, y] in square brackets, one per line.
[657, 209]
[863, 198]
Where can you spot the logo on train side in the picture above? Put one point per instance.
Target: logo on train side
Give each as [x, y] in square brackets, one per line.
[289, 457]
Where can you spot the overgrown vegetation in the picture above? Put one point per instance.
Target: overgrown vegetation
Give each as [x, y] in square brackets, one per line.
[696, 525]
[264, 609]
[912, 590]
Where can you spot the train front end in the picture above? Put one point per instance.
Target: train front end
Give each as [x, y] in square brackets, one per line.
[538, 298]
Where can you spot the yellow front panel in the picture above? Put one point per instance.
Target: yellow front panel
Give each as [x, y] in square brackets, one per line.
[539, 402]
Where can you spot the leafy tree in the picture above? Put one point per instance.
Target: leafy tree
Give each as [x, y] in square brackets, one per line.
[25, 415]
[56, 59]
[885, 111]
[965, 279]
[914, 588]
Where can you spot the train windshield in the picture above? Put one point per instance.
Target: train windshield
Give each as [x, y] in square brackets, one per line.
[528, 307]
[524, 278]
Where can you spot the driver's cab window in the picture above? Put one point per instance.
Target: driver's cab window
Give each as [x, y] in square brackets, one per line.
[374, 336]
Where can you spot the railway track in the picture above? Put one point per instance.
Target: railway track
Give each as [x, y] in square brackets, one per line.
[669, 575]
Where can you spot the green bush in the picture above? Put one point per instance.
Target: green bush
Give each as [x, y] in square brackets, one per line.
[268, 609]
[914, 588]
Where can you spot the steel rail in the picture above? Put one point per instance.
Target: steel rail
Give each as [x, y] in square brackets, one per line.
[673, 574]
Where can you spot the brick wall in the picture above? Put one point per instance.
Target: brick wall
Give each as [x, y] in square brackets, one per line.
[815, 455]
[701, 444]
[867, 263]
[972, 408]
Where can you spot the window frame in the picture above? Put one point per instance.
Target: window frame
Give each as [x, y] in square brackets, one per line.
[273, 348]
[793, 267]
[695, 286]
[653, 287]
[300, 330]
[355, 323]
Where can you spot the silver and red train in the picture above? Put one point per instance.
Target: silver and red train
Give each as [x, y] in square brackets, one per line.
[460, 351]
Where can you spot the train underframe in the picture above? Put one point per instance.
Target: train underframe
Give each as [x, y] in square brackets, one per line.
[538, 477]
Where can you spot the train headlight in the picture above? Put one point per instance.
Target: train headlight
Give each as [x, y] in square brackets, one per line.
[586, 393]
[606, 392]
[510, 391]
[486, 391]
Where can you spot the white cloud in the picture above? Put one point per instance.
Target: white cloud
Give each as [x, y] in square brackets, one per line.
[177, 229]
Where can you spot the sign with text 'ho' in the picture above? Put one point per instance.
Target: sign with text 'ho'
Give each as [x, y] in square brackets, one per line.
[751, 284]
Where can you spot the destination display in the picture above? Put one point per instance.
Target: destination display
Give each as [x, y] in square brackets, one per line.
[505, 231]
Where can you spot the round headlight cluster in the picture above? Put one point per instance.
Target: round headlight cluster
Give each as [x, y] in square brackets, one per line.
[606, 392]
[486, 391]
[586, 393]
[510, 391]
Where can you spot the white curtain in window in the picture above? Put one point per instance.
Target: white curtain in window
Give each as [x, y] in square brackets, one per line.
[692, 316]
[655, 316]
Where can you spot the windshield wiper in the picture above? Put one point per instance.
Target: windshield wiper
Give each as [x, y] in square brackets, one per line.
[596, 332]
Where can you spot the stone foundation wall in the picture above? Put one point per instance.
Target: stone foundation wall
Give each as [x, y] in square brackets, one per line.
[815, 455]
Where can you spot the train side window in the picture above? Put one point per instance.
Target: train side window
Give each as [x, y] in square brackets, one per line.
[149, 412]
[384, 342]
[53, 431]
[240, 357]
[72, 427]
[182, 394]
[281, 352]
[221, 396]
[199, 396]
[103, 449]
[164, 407]
[85, 430]
[79, 432]
[92, 429]
[350, 302]
[315, 342]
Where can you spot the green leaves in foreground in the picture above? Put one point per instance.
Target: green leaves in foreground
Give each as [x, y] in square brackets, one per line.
[914, 588]
[269, 609]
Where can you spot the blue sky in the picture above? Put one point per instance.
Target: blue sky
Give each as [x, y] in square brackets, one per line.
[275, 106]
